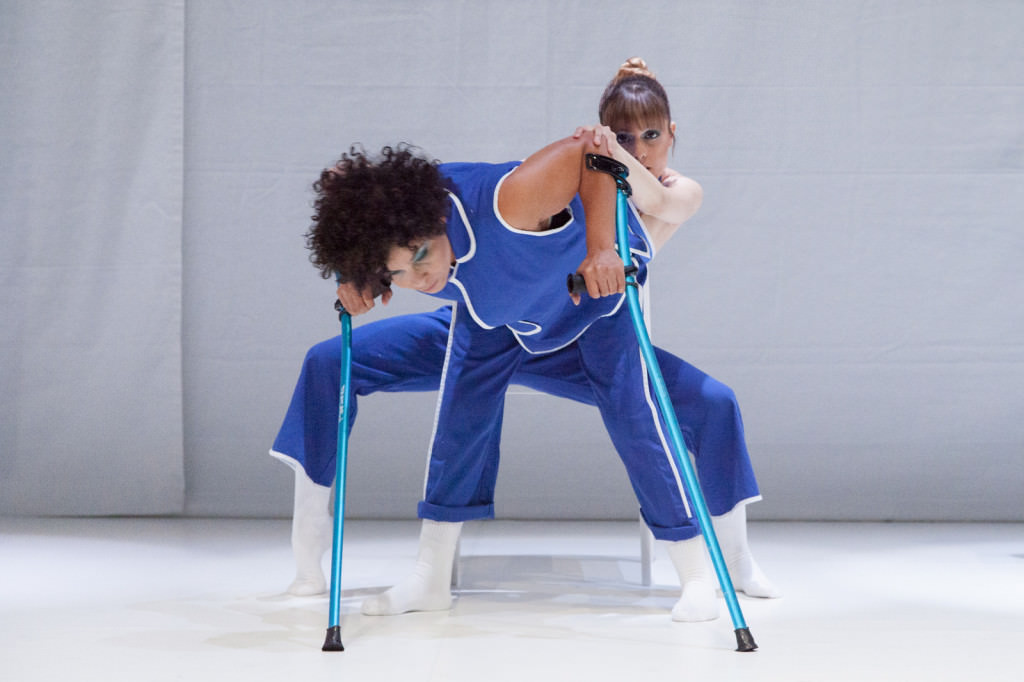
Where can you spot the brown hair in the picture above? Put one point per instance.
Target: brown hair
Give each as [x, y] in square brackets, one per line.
[634, 95]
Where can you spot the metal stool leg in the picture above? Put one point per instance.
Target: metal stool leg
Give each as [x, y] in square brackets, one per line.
[646, 553]
[456, 573]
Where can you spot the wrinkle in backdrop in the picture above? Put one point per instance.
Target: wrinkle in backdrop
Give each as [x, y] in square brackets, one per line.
[90, 267]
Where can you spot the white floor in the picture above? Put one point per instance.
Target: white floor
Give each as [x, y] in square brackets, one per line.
[189, 599]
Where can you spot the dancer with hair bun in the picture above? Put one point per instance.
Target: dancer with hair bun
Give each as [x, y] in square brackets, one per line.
[407, 353]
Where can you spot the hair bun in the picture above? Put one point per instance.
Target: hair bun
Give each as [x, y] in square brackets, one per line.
[634, 66]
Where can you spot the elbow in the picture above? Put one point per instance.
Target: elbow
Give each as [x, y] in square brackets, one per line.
[698, 197]
[693, 198]
[678, 203]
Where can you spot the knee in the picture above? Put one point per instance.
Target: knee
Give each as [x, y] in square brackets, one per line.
[720, 400]
[324, 356]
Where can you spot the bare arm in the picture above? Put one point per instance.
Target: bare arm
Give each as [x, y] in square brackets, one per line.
[666, 202]
[545, 183]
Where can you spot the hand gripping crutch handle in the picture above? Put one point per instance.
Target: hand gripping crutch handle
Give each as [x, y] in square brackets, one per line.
[577, 285]
[603, 164]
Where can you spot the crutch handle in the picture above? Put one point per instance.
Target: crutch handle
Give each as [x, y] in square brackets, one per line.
[378, 287]
[576, 284]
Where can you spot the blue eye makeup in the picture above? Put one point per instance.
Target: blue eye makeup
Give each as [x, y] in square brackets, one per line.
[421, 252]
[628, 139]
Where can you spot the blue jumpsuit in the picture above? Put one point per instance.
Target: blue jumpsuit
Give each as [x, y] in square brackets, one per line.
[507, 332]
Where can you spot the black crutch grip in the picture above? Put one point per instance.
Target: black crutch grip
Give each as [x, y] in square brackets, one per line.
[576, 284]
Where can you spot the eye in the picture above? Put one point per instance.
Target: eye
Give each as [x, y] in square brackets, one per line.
[652, 134]
[624, 139]
[421, 252]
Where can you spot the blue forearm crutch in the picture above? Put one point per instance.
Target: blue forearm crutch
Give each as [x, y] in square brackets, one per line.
[604, 164]
[333, 640]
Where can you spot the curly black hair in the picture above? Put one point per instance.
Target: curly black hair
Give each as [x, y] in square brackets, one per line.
[365, 206]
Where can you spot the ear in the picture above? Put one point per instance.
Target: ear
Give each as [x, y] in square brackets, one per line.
[672, 129]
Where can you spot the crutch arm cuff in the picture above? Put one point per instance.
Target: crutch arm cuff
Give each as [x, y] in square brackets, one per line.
[616, 169]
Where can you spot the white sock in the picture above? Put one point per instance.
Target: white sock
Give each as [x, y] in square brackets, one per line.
[429, 586]
[746, 575]
[698, 601]
[311, 534]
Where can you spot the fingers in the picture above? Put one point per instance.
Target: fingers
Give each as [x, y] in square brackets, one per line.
[583, 130]
[604, 283]
[603, 274]
[355, 301]
[601, 136]
[619, 285]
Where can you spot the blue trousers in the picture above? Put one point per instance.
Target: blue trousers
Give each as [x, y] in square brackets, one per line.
[406, 353]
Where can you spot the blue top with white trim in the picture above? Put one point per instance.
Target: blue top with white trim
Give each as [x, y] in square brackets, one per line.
[516, 278]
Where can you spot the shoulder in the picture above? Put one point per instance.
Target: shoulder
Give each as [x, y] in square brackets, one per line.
[467, 170]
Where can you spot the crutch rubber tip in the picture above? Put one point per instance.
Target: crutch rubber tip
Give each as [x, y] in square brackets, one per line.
[745, 640]
[333, 641]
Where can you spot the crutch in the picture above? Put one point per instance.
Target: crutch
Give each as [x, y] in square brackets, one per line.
[604, 164]
[333, 640]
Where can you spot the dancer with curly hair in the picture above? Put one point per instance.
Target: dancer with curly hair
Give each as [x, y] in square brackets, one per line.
[408, 351]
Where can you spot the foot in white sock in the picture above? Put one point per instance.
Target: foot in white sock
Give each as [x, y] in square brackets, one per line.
[311, 535]
[748, 578]
[429, 586]
[698, 601]
[307, 585]
[746, 575]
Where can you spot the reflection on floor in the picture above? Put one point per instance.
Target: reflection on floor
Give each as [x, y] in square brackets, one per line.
[198, 599]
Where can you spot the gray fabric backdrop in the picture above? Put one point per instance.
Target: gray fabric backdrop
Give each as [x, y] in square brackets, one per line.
[91, 142]
[854, 273]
